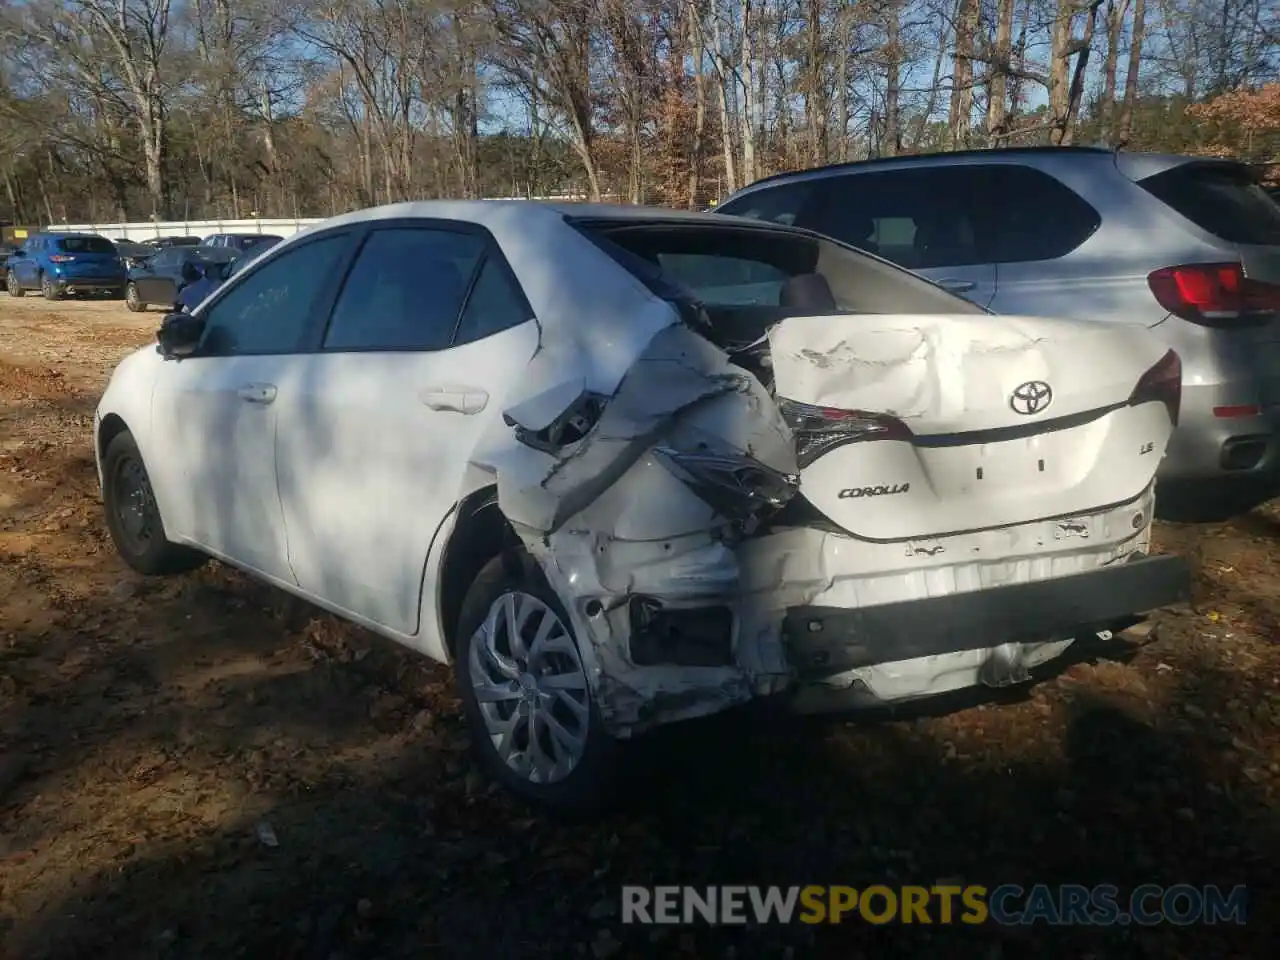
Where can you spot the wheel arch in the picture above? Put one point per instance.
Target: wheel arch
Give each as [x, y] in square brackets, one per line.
[112, 426]
[479, 533]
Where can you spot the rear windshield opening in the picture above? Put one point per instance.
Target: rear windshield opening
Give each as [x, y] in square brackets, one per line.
[86, 245]
[731, 266]
[1221, 198]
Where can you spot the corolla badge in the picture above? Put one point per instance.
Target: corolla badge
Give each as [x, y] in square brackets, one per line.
[1031, 397]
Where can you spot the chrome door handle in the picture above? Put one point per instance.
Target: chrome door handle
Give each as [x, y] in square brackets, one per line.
[465, 400]
[257, 392]
[952, 285]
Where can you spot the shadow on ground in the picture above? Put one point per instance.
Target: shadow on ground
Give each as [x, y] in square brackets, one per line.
[388, 844]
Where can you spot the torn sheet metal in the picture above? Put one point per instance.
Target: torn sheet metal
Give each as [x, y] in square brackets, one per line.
[606, 496]
[540, 490]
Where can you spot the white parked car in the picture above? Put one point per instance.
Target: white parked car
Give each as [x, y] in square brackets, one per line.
[624, 466]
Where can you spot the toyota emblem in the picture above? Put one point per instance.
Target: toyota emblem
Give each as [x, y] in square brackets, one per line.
[1031, 397]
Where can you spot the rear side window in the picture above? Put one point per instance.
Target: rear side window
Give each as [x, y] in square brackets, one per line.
[86, 245]
[495, 305]
[405, 290]
[1034, 216]
[1223, 199]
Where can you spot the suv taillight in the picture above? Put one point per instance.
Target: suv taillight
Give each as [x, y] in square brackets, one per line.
[1161, 384]
[1214, 294]
[58, 258]
[819, 429]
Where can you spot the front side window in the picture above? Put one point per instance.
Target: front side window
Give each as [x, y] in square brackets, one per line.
[405, 290]
[270, 309]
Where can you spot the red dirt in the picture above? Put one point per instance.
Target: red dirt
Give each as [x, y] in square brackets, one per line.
[149, 728]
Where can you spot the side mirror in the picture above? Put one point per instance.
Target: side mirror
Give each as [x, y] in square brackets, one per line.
[179, 335]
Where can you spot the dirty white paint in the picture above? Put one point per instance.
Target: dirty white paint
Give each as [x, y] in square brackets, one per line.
[357, 470]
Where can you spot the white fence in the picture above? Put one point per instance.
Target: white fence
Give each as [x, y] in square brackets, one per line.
[146, 230]
[186, 228]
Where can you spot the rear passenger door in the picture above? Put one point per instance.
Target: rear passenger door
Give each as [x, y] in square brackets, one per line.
[930, 220]
[428, 333]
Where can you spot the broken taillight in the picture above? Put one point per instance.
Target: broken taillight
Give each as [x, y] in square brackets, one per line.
[818, 429]
[737, 485]
[1161, 384]
[1214, 294]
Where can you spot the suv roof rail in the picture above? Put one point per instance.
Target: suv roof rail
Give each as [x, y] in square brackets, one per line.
[850, 164]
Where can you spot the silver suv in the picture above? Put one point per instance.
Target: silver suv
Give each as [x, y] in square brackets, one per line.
[1186, 245]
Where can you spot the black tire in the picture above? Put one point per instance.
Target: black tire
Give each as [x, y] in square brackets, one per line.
[590, 785]
[12, 285]
[50, 290]
[133, 517]
[132, 301]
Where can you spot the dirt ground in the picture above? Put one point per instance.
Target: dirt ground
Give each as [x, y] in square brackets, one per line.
[202, 767]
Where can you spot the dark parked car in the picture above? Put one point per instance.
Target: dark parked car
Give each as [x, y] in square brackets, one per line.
[134, 253]
[242, 241]
[161, 279]
[65, 264]
[166, 242]
[215, 275]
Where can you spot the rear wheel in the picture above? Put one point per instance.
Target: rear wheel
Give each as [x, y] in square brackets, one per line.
[133, 516]
[49, 289]
[132, 300]
[534, 723]
[12, 285]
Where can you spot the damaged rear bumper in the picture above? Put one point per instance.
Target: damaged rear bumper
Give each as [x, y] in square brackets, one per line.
[822, 642]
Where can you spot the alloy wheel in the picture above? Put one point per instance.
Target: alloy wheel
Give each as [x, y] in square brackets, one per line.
[531, 688]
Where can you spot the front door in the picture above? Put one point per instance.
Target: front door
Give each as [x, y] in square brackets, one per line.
[216, 413]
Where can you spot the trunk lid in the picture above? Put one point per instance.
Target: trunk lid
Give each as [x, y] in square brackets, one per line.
[966, 422]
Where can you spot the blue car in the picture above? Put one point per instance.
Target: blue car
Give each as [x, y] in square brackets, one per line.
[65, 264]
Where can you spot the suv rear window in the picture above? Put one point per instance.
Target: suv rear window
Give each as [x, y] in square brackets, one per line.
[86, 245]
[1222, 198]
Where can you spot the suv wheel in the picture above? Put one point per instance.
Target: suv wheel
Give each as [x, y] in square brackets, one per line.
[131, 299]
[133, 517]
[49, 289]
[534, 723]
[12, 285]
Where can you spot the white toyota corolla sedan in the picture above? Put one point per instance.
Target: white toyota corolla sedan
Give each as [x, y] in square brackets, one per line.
[625, 466]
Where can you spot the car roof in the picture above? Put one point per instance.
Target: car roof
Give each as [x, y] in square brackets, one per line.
[487, 213]
[1136, 166]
